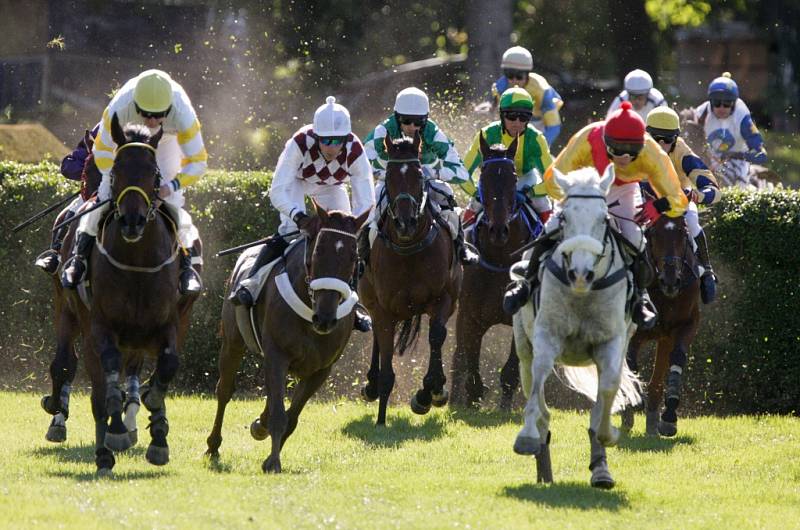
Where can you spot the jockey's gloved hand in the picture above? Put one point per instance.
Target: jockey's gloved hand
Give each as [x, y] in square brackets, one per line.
[693, 195]
[303, 221]
[756, 157]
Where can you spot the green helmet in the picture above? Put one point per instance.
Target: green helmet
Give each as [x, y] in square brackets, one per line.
[516, 98]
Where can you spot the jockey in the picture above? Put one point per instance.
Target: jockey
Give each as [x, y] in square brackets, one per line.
[640, 92]
[517, 65]
[698, 184]
[620, 140]
[531, 159]
[440, 164]
[316, 162]
[154, 99]
[72, 168]
[730, 132]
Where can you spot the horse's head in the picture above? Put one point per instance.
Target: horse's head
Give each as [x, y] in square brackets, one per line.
[331, 264]
[669, 245]
[583, 223]
[497, 189]
[404, 184]
[134, 176]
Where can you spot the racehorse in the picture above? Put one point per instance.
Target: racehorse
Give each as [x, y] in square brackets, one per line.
[581, 322]
[412, 271]
[135, 307]
[677, 300]
[300, 324]
[505, 225]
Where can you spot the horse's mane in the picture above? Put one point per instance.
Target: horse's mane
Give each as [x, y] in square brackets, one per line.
[497, 151]
[405, 144]
[137, 133]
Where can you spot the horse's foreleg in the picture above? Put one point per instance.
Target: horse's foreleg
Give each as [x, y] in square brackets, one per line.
[276, 367]
[104, 458]
[230, 358]
[153, 393]
[370, 391]
[433, 391]
[608, 358]
[524, 351]
[105, 342]
[635, 345]
[383, 329]
[530, 438]
[304, 390]
[655, 388]
[466, 385]
[668, 425]
[62, 373]
[509, 378]
[132, 397]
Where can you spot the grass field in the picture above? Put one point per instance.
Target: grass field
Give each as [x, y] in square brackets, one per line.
[449, 469]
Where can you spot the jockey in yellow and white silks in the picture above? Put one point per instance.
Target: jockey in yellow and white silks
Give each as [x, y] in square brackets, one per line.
[731, 134]
[639, 90]
[318, 162]
[698, 184]
[517, 66]
[155, 100]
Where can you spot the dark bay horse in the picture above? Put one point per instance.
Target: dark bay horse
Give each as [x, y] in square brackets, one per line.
[412, 271]
[503, 228]
[676, 295]
[136, 309]
[303, 339]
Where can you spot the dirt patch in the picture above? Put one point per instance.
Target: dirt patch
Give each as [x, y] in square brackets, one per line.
[30, 142]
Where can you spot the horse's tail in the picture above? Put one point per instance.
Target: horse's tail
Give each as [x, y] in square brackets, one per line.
[408, 334]
[583, 379]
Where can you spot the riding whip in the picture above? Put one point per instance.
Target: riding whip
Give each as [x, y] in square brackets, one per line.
[251, 244]
[44, 212]
[81, 214]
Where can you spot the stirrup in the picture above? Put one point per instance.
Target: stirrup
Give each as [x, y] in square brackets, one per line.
[190, 282]
[708, 287]
[516, 296]
[48, 261]
[644, 316]
[467, 256]
[362, 322]
[74, 271]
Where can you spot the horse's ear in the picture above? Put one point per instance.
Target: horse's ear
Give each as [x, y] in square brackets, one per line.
[319, 210]
[361, 219]
[485, 151]
[561, 179]
[511, 152]
[607, 179]
[88, 140]
[387, 144]
[116, 131]
[417, 142]
[156, 138]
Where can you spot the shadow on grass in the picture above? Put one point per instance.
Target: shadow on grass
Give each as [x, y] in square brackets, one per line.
[87, 476]
[484, 417]
[398, 430]
[569, 495]
[215, 464]
[643, 443]
[81, 454]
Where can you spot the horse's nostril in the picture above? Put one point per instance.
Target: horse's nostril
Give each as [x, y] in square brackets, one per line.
[590, 276]
[571, 275]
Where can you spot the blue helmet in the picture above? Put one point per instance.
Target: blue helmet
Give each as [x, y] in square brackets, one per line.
[723, 88]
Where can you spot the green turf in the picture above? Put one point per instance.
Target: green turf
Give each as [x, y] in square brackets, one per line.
[784, 156]
[448, 469]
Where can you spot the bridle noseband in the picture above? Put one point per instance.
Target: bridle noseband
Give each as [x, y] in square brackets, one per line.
[148, 198]
[418, 206]
[330, 283]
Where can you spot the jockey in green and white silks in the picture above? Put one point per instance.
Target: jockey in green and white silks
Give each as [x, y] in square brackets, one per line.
[440, 161]
[155, 100]
[530, 161]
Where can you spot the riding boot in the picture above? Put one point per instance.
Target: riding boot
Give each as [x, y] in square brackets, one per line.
[645, 314]
[49, 259]
[519, 292]
[363, 251]
[708, 281]
[75, 268]
[190, 282]
[273, 248]
[362, 322]
[464, 253]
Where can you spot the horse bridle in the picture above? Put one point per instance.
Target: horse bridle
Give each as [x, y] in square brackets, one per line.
[418, 206]
[148, 198]
[516, 206]
[329, 283]
[676, 260]
[606, 234]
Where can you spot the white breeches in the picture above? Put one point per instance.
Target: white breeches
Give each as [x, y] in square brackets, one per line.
[327, 196]
[693, 220]
[439, 194]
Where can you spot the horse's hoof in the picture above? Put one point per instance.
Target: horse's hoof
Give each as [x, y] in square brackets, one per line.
[105, 472]
[258, 431]
[271, 465]
[526, 445]
[104, 459]
[416, 408]
[667, 429]
[601, 478]
[117, 442]
[56, 433]
[157, 455]
[134, 436]
[45, 402]
[368, 394]
[212, 454]
[627, 419]
[440, 400]
[505, 404]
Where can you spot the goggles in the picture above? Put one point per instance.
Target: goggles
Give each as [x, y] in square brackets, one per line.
[332, 140]
[418, 121]
[722, 103]
[623, 149]
[515, 74]
[156, 115]
[512, 115]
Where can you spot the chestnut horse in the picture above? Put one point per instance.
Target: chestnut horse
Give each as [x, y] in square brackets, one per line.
[504, 227]
[303, 336]
[135, 310]
[412, 271]
[677, 299]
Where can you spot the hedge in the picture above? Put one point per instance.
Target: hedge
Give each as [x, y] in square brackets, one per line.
[745, 358]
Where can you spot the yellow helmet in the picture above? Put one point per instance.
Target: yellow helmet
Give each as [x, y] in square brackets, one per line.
[153, 92]
[663, 119]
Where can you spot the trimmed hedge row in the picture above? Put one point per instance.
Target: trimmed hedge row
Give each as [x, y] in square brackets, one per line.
[745, 358]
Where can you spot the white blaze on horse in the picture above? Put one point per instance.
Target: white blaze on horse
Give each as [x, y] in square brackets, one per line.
[581, 323]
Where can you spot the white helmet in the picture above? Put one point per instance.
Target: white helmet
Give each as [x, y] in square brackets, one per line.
[412, 101]
[517, 58]
[332, 119]
[638, 82]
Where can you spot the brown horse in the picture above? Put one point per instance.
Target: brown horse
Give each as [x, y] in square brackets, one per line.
[412, 271]
[677, 299]
[136, 309]
[303, 339]
[503, 228]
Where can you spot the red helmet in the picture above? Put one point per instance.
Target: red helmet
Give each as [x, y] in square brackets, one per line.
[625, 126]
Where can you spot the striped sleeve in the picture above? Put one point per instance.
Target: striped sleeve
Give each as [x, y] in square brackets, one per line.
[103, 148]
[452, 169]
[376, 151]
[195, 157]
[473, 159]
